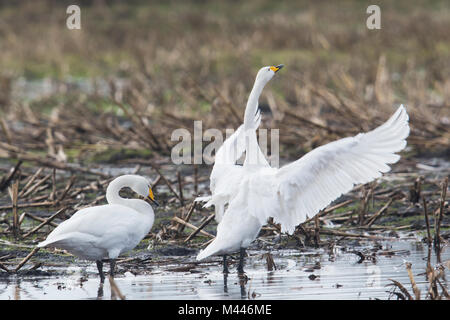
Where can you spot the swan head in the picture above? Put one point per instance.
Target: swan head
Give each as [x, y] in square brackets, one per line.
[142, 187]
[265, 74]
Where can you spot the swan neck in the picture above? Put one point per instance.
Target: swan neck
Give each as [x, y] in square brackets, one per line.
[113, 197]
[252, 105]
[112, 192]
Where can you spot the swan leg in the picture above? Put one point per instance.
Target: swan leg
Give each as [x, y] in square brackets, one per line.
[240, 267]
[100, 270]
[112, 267]
[225, 264]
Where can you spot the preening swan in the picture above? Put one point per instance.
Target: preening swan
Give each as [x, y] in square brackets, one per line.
[255, 191]
[104, 232]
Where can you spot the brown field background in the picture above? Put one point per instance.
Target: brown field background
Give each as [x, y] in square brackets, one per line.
[148, 68]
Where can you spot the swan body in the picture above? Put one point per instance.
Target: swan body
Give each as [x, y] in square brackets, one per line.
[254, 192]
[106, 231]
[101, 232]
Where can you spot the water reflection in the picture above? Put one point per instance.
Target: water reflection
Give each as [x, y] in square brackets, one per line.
[100, 291]
[225, 282]
[242, 282]
[17, 290]
[299, 275]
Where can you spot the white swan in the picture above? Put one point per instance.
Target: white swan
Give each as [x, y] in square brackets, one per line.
[104, 232]
[255, 191]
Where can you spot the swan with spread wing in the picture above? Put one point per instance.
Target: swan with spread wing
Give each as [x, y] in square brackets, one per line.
[245, 196]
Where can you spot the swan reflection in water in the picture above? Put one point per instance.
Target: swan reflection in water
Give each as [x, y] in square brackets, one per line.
[243, 279]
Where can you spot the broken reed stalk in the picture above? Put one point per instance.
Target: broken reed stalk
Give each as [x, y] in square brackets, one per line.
[32, 189]
[415, 191]
[2, 266]
[21, 218]
[305, 233]
[194, 233]
[364, 205]
[53, 193]
[195, 180]
[427, 220]
[29, 215]
[30, 181]
[402, 289]
[66, 190]
[13, 192]
[156, 181]
[115, 289]
[270, 263]
[444, 290]
[432, 290]
[373, 218]
[316, 232]
[47, 221]
[180, 188]
[166, 181]
[6, 130]
[191, 226]
[329, 210]
[15, 199]
[205, 244]
[437, 236]
[28, 205]
[413, 282]
[4, 182]
[28, 257]
[188, 215]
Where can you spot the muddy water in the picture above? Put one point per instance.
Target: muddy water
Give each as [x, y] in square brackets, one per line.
[314, 274]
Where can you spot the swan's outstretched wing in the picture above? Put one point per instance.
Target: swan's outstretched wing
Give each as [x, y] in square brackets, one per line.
[304, 187]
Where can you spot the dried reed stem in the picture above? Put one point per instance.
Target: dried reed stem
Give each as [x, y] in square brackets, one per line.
[13, 192]
[437, 236]
[28, 257]
[115, 289]
[47, 221]
[427, 220]
[413, 282]
[191, 226]
[199, 229]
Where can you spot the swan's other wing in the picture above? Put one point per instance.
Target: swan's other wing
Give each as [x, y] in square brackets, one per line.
[225, 173]
[232, 149]
[308, 185]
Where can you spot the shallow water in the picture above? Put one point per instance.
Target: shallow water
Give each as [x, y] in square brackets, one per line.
[338, 275]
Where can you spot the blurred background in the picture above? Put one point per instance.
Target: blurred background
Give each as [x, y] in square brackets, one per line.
[137, 70]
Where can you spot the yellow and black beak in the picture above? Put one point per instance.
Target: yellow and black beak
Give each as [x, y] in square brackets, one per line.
[151, 197]
[278, 67]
